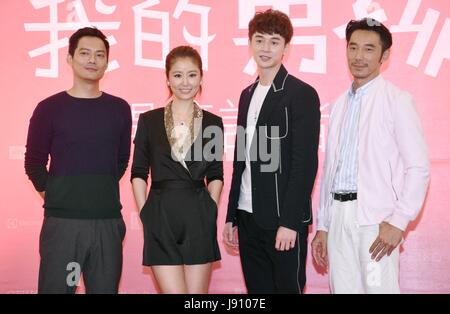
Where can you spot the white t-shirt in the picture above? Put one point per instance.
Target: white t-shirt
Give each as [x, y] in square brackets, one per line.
[245, 196]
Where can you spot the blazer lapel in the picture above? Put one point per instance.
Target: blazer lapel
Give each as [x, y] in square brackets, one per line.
[273, 96]
[180, 150]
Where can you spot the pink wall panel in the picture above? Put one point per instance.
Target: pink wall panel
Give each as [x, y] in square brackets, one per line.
[419, 63]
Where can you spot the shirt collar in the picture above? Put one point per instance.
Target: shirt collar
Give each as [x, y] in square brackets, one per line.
[362, 90]
[278, 82]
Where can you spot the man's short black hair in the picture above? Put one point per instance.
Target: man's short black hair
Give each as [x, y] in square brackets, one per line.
[87, 31]
[369, 24]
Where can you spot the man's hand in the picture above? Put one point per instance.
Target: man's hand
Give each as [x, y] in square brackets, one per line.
[319, 248]
[285, 239]
[388, 239]
[230, 236]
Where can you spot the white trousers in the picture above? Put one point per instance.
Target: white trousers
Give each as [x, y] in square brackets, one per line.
[351, 268]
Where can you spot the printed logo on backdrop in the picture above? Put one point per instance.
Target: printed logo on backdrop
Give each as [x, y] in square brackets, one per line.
[142, 11]
[75, 16]
[67, 16]
[16, 223]
[424, 30]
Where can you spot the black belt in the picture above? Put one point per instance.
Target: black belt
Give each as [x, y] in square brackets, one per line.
[345, 197]
[178, 184]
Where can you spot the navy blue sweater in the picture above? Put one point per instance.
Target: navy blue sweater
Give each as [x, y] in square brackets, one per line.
[88, 141]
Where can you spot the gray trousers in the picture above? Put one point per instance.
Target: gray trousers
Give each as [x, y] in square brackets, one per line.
[71, 248]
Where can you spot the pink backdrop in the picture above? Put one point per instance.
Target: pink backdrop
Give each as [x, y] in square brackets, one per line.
[34, 36]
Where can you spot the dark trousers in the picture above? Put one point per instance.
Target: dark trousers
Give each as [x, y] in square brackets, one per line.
[71, 248]
[266, 270]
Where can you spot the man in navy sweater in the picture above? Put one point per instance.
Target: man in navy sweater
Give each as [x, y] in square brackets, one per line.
[87, 134]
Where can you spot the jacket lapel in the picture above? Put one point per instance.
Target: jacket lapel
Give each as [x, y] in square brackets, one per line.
[273, 96]
[179, 150]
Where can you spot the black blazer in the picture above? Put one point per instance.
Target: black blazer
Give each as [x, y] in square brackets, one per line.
[281, 197]
[152, 151]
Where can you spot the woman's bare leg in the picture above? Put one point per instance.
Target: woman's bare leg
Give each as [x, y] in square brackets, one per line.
[197, 278]
[170, 278]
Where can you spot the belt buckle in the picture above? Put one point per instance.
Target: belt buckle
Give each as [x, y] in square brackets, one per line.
[344, 197]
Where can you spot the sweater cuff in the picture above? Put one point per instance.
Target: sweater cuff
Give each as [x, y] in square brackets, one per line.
[398, 221]
[322, 228]
[38, 175]
[232, 219]
[321, 224]
[289, 225]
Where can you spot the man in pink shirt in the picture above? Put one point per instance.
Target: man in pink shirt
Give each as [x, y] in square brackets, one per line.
[375, 175]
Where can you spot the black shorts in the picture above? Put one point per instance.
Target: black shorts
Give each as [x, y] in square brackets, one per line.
[180, 227]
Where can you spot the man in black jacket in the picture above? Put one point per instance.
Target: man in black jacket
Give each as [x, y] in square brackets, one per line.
[270, 207]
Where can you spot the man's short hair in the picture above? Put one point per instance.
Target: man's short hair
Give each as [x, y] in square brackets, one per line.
[87, 31]
[369, 24]
[271, 22]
